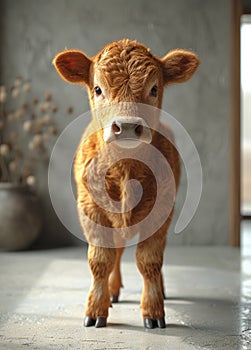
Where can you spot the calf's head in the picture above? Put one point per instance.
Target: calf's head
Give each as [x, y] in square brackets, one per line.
[120, 78]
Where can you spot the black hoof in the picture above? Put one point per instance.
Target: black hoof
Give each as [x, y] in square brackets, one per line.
[151, 323]
[114, 299]
[161, 322]
[89, 321]
[101, 322]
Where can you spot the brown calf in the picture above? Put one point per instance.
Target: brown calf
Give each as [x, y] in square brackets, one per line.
[124, 76]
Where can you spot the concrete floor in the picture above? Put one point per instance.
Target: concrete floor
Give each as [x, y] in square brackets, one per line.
[43, 293]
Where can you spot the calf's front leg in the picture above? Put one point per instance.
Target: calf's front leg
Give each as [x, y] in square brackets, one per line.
[149, 256]
[101, 261]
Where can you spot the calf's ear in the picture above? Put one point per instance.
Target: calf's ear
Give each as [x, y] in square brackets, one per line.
[179, 66]
[73, 66]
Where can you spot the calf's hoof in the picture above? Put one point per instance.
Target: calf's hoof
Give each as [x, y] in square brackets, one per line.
[114, 299]
[151, 323]
[99, 322]
[89, 321]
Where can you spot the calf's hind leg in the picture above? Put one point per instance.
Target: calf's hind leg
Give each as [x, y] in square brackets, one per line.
[115, 281]
[149, 257]
[101, 262]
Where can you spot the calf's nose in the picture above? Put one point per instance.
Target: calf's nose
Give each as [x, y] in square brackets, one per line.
[138, 129]
[127, 128]
[127, 131]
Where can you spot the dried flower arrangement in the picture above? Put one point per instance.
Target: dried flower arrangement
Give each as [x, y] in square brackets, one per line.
[26, 128]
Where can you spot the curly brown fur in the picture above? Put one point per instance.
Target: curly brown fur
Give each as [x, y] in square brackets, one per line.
[125, 71]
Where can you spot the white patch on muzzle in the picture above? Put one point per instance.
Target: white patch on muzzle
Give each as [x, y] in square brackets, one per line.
[127, 132]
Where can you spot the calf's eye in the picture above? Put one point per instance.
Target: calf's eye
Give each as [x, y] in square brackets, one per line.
[98, 91]
[154, 91]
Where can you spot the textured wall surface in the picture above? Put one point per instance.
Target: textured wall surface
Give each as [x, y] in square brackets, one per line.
[32, 32]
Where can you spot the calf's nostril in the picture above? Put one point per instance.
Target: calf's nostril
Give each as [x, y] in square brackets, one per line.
[139, 130]
[116, 128]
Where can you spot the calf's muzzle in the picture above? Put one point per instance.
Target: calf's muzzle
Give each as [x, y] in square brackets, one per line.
[127, 132]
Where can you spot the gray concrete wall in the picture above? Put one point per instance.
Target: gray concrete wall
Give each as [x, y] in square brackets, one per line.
[33, 31]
